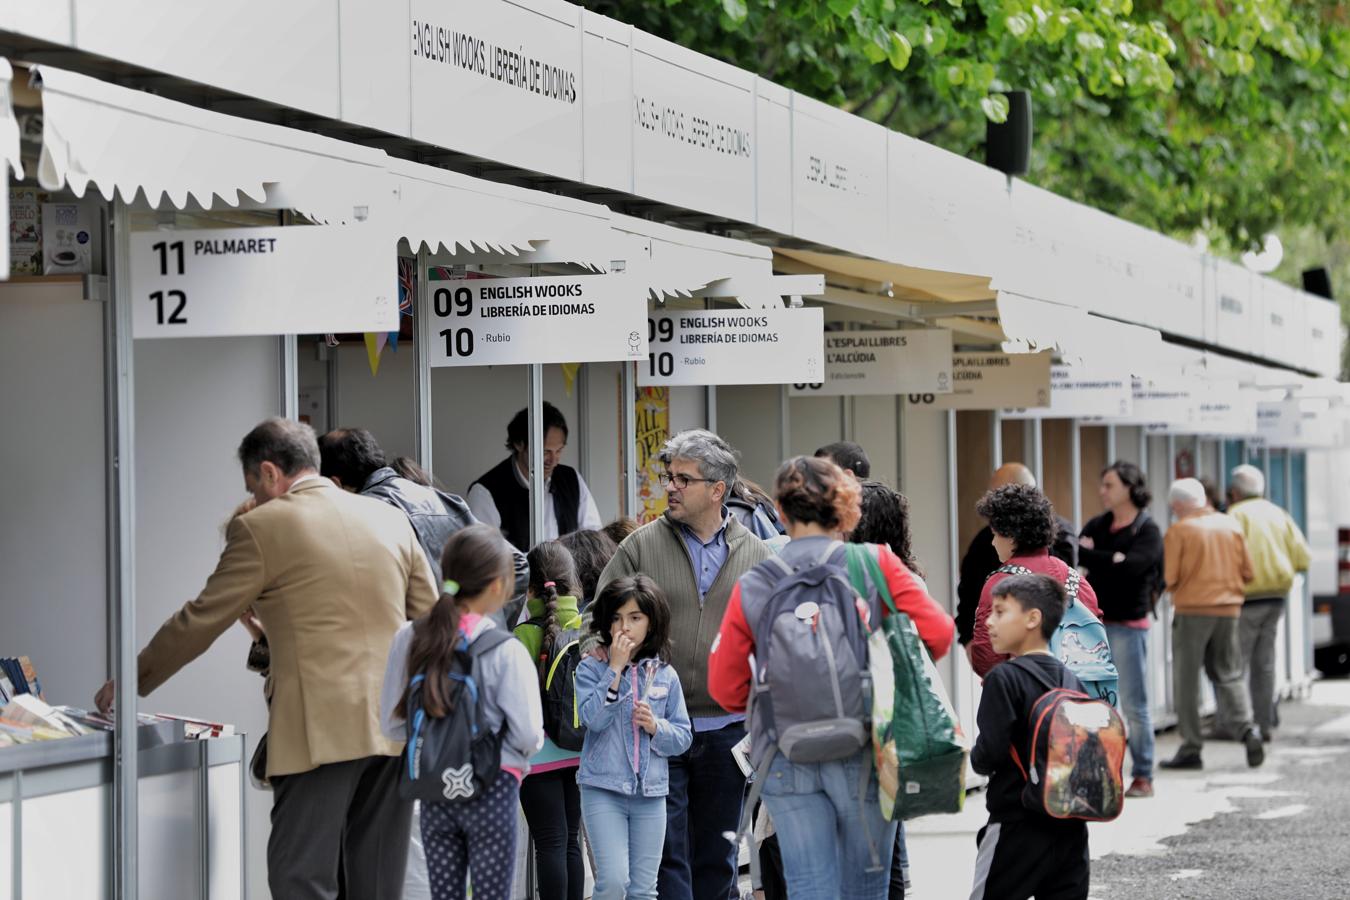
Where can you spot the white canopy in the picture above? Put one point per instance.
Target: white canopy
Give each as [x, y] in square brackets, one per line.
[127, 142]
[464, 215]
[675, 263]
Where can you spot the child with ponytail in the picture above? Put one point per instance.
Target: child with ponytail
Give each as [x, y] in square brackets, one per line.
[475, 839]
[549, 795]
[630, 700]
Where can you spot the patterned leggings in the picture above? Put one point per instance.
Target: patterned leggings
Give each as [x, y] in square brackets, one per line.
[475, 839]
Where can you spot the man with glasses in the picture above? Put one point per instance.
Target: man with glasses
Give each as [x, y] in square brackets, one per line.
[696, 552]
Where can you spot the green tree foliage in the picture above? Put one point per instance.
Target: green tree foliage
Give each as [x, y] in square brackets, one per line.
[1229, 117]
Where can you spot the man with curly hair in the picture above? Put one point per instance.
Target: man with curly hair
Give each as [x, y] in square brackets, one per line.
[1023, 524]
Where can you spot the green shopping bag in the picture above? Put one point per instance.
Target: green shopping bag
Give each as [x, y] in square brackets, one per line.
[918, 743]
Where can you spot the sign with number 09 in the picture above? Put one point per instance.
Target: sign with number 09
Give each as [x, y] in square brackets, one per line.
[734, 346]
[517, 321]
[241, 281]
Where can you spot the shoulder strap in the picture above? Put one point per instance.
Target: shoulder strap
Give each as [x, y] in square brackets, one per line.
[1010, 570]
[488, 640]
[1035, 672]
[1071, 586]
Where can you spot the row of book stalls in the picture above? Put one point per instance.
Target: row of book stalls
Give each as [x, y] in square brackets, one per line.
[178, 273]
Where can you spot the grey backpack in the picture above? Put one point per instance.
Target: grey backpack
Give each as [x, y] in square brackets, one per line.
[811, 690]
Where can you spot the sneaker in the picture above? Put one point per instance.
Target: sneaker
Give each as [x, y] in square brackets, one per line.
[1140, 787]
[1185, 761]
[1256, 751]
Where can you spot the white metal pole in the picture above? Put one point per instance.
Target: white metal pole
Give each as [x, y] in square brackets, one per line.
[1111, 446]
[538, 490]
[119, 430]
[996, 438]
[422, 362]
[1076, 470]
[1037, 451]
[628, 420]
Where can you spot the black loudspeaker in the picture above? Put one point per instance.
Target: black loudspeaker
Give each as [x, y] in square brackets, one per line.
[1317, 281]
[1007, 146]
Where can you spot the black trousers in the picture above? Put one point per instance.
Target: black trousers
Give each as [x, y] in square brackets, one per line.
[1032, 857]
[552, 805]
[340, 829]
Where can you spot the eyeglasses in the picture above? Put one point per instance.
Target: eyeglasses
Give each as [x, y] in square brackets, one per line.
[681, 481]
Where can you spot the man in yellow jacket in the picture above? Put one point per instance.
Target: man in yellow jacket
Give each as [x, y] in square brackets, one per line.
[1279, 551]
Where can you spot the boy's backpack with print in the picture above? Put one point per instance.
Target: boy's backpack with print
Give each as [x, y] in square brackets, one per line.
[1080, 641]
[454, 758]
[558, 685]
[1075, 754]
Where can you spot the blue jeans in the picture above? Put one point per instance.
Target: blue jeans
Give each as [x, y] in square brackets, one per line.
[1129, 649]
[828, 851]
[626, 834]
[706, 793]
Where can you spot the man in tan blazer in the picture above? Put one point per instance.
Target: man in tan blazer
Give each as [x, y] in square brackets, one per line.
[331, 576]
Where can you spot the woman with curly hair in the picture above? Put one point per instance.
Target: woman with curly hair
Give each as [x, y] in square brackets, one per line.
[827, 849]
[1023, 523]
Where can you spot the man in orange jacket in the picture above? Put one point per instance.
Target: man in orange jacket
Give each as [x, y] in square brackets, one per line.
[1206, 567]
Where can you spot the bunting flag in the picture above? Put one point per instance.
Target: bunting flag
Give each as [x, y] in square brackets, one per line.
[407, 289]
[374, 346]
[570, 371]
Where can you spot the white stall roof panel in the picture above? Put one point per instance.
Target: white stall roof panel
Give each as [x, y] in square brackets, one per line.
[126, 142]
[1235, 325]
[1322, 343]
[839, 172]
[441, 208]
[946, 212]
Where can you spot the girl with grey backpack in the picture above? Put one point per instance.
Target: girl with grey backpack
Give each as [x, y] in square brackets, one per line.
[792, 650]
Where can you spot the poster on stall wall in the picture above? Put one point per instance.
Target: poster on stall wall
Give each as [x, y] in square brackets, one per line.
[652, 417]
[734, 346]
[523, 321]
[1077, 392]
[993, 381]
[858, 363]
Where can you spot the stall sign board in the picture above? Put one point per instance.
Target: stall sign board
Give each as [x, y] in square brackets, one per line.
[519, 321]
[993, 381]
[245, 281]
[857, 363]
[1297, 424]
[1162, 401]
[1077, 392]
[734, 346]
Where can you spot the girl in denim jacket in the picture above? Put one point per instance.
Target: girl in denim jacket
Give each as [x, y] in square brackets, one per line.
[630, 700]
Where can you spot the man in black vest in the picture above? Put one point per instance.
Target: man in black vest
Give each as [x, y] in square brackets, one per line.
[501, 497]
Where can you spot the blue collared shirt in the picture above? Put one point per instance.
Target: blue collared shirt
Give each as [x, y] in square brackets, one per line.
[708, 558]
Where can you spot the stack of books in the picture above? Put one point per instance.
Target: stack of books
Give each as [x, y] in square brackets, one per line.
[17, 676]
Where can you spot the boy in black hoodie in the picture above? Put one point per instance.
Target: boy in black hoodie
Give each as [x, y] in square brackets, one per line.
[1023, 853]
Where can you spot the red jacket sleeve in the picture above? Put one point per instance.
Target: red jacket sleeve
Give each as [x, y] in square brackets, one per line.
[729, 660]
[935, 626]
[982, 655]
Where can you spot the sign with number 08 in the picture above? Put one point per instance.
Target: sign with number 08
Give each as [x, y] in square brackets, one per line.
[241, 281]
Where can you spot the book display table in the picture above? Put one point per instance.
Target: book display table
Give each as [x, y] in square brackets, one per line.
[56, 834]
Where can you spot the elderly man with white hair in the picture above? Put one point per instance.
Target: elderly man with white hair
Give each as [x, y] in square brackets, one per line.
[1279, 551]
[1206, 567]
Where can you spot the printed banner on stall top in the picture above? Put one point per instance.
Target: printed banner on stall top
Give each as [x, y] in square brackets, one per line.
[917, 360]
[734, 346]
[269, 280]
[521, 321]
[993, 381]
